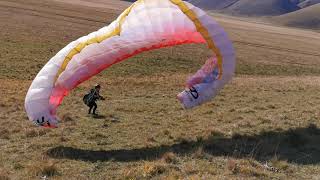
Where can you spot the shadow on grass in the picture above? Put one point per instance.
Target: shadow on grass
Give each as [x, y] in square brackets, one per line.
[130, 0]
[299, 146]
[99, 116]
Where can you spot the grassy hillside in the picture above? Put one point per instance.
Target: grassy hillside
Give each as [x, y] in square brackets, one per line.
[263, 125]
[249, 7]
[305, 18]
[262, 8]
[212, 4]
[109, 4]
[293, 13]
[308, 3]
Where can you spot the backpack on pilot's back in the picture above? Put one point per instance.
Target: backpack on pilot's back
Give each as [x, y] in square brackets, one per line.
[87, 99]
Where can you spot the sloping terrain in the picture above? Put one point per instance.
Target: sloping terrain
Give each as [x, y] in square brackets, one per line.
[262, 8]
[109, 4]
[294, 13]
[249, 7]
[212, 4]
[263, 125]
[308, 17]
[308, 3]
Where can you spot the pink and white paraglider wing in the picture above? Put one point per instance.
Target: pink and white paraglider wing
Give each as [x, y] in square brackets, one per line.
[144, 26]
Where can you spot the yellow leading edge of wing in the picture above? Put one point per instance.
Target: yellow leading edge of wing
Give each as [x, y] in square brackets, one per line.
[179, 3]
[99, 39]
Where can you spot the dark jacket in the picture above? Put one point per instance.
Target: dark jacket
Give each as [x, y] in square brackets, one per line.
[92, 97]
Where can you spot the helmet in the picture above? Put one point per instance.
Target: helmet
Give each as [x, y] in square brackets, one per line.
[97, 86]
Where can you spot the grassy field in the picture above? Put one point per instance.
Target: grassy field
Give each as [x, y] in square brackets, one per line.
[263, 125]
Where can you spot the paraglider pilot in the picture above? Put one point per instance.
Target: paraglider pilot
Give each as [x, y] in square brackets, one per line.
[91, 98]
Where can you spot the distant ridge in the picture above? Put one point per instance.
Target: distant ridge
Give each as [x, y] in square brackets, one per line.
[308, 17]
[249, 7]
[262, 7]
[308, 3]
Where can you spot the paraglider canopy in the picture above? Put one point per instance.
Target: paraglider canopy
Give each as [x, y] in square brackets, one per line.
[144, 26]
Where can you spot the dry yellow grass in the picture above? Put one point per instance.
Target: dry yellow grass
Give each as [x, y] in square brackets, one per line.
[269, 113]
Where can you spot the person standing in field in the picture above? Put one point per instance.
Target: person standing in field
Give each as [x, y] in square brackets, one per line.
[91, 98]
